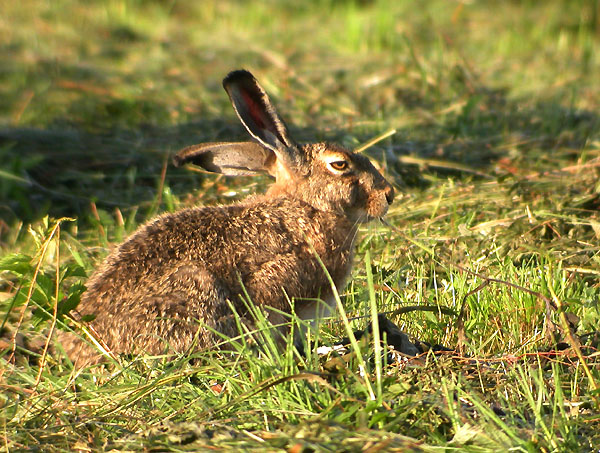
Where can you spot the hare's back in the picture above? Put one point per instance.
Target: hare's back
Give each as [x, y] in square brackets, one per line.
[220, 240]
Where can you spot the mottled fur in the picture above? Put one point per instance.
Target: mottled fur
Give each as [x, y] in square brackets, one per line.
[177, 274]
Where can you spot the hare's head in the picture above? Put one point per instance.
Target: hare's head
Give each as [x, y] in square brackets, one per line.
[326, 176]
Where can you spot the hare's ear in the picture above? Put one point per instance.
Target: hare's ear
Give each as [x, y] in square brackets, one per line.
[254, 109]
[232, 159]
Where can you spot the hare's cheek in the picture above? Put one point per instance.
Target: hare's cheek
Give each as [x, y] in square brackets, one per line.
[361, 203]
[355, 197]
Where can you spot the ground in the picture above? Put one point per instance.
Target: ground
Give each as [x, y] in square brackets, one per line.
[495, 158]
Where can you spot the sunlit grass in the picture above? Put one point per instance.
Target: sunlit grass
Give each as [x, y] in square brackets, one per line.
[495, 159]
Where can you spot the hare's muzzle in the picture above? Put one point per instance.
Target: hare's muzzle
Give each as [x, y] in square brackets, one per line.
[380, 200]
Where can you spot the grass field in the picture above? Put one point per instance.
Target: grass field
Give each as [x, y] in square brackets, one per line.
[496, 158]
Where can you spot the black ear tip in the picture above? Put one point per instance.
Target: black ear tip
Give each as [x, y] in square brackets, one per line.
[236, 76]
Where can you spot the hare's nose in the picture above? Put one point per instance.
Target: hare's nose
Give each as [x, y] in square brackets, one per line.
[389, 194]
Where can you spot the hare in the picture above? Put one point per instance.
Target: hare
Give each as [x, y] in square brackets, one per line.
[172, 284]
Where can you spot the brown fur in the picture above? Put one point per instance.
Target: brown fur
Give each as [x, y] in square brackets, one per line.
[179, 272]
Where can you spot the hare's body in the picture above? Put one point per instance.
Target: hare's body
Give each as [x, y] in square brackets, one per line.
[172, 284]
[173, 274]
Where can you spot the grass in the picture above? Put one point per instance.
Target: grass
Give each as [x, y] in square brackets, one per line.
[496, 158]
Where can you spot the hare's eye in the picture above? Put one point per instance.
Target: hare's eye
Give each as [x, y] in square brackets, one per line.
[339, 165]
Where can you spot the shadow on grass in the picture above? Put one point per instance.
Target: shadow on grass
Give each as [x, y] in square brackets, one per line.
[490, 127]
[60, 171]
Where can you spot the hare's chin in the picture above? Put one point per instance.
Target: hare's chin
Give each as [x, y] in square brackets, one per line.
[367, 217]
[378, 214]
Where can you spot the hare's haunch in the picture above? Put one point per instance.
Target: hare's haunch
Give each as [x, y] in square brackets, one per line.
[172, 283]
